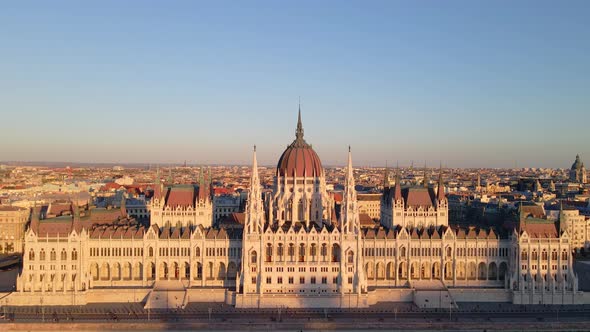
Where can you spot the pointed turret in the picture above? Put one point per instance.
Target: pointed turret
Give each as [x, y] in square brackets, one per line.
[123, 206]
[349, 215]
[157, 184]
[254, 207]
[386, 177]
[202, 186]
[441, 186]
[426, 179]
[397, 193]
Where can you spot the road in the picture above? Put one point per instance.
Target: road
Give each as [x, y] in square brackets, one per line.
[217, 316]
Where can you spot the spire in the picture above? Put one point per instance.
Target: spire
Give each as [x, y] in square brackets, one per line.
[426, 180]
[254, 165]
[157, 184]
[254, 211]
[349, 170]
[201, 177]
[170, 180]
[299, 131]
[299, 141]
[441, 186]
[386, 176]
[397, 195]
[123, 206]
[349, 215]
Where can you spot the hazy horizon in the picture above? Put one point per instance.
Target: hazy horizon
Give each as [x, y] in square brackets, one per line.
[469, 84]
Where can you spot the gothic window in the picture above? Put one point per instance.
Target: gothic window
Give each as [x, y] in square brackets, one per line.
[280, 252]
[335, 253]
[197, 252]
[31, 255]
[268, 252]
[52, 255]
[449, 252]
[253, 257]
[64, 255]
[402, 251]
[42, 255]
[291, 252]
[524, 255]
[302, 252]
[313, 252]
[151, 252]
[351, 257]
[300, 211]
[324, 251]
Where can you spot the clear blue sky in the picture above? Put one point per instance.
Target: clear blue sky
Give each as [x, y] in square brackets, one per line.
[471, 83]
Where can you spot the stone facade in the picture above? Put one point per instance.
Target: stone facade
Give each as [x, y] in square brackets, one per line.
[292, 250]
[13, 221]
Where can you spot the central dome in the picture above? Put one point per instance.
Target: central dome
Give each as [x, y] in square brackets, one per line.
[299, 159]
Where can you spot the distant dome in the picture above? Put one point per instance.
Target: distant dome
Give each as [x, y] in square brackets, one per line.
[577, 164]
[299, 158]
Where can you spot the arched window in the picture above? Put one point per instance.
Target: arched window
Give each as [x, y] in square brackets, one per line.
[449, 252]
[151, 252]
[291, 252]
[52, 255]
[64, 255]
[335, 253]
[42, 255]
[402, 251]
[253, 257]
[31, 255]
[280, 252]
[524, 255]
[74, 255]
[324, 251]
[268, 253]
[313, 251]
[351, 257]
[197, 252]
[302, 252]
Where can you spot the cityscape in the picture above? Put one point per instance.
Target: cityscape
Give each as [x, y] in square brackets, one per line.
[121, 210]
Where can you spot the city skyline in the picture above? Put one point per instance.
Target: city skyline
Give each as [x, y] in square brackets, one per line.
[204, 82]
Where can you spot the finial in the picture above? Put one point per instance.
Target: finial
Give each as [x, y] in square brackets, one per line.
[299, 141]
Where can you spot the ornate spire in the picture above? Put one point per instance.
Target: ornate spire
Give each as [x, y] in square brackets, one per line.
[299, 141]
[441, 185]
[397, 194]
[426, 179]
[349, 209]
[386, 176]
[201, 177]
[254, 212]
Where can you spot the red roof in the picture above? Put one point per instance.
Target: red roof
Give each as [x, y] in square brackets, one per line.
[181, 196]
[541, 230]
[299, 159]
[222, 191]
[418, 197]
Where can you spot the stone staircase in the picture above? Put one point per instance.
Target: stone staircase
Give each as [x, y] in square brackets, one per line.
[432, 294]
[167, 294]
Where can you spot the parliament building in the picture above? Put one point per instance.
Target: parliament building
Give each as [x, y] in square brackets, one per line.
[294, 249]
